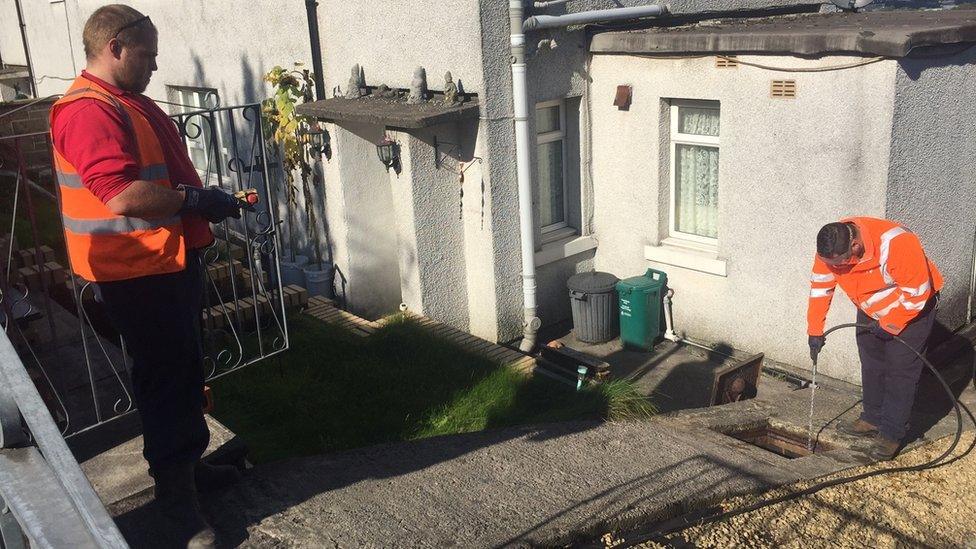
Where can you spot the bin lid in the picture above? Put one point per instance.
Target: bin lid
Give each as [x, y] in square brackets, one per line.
[642, 282]
[592, 283]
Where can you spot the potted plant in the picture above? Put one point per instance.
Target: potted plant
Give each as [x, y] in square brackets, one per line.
[284, 131]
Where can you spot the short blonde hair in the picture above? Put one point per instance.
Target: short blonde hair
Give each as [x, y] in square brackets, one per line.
[103, 25]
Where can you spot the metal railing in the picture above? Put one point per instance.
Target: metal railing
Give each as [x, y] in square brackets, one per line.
[64, 369]
[64, 337]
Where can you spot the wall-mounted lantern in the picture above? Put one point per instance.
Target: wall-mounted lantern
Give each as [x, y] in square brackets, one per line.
[316, 138]
[386, 150]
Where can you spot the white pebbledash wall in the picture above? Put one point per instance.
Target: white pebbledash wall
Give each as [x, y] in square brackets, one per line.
[787, 166]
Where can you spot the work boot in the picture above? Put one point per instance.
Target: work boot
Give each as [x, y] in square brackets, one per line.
[881, 448]
[857, 428]
[210, 478]
[177, 501]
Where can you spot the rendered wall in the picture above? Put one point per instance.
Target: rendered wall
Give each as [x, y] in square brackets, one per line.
[787, 166]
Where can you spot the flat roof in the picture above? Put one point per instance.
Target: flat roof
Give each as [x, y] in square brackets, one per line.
[876, 33]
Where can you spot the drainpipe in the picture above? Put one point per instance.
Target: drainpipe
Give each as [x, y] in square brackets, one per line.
[520, 93]
[311, 13]
[519, 25]
[27, 57]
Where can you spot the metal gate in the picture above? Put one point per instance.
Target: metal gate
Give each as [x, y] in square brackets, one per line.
[76, 360]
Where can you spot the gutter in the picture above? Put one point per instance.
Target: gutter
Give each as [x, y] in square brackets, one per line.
[519, 26]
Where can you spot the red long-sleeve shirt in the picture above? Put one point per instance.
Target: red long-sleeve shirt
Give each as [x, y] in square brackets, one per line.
[92, 136]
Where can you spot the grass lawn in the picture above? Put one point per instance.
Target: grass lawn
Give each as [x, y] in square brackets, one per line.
[333, 391]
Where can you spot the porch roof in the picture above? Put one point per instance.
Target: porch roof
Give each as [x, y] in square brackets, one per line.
[876, 33]
[391, 113]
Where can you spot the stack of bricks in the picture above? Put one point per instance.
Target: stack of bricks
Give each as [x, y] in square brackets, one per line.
[215, 317]
[35, 150]
[36, 268]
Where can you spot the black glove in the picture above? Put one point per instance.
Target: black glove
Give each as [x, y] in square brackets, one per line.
[881, 333]
[212, 203]
[816, 343]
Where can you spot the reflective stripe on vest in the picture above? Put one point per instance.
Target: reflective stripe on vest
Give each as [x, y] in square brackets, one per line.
[878, 296]
[153, 172]
[821, 292]
[116, 225]
[886, 239]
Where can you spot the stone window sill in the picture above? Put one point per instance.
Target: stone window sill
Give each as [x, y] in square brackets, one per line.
[563, 248]
[687, 255]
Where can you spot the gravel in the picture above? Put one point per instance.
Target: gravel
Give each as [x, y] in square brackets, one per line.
[932, 508]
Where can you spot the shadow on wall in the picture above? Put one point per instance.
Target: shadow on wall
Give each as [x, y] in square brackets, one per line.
[953, 55]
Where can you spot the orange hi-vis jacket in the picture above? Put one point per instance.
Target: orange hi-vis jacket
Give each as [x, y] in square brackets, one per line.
[103, 246]
[891, 282]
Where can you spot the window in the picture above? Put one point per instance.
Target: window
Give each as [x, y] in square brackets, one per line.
[200, 128]
[550, 128]
[694, 171]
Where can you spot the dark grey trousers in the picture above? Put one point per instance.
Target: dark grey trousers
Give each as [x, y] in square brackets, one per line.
[890, 372]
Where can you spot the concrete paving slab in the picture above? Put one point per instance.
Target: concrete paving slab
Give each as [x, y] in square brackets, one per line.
[120, 472]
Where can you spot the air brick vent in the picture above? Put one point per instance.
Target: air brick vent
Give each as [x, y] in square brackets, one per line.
[783, 88]
[727, 62]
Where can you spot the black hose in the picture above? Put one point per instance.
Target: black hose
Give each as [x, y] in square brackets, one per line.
[642, 537]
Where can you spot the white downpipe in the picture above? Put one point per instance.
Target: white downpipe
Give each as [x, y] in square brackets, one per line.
[596, 16]
[524, 141]
[520, 93]
[543, 5]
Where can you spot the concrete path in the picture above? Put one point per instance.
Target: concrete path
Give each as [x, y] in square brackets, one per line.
[544, 485]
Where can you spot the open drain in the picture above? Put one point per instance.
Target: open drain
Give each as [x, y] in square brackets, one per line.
[778, 441]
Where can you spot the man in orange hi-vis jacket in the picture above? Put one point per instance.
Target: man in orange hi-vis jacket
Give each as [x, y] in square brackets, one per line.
[882, 267]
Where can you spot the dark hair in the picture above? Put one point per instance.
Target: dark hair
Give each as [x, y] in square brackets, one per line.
[834, 239]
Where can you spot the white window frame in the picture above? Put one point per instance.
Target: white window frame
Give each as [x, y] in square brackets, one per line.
[191, 99]
[678, 138]
[549, 137]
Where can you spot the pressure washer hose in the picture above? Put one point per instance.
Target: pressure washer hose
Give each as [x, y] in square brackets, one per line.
[642, 537]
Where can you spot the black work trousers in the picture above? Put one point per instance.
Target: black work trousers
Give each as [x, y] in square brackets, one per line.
[890, 372]
[159, 319]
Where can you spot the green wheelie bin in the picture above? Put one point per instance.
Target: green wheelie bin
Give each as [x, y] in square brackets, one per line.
[641, 309]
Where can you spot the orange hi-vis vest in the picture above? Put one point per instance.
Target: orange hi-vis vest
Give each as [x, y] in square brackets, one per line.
[891, 282]
[102, 246]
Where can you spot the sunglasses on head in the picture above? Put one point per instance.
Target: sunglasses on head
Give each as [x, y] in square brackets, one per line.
[130, 25]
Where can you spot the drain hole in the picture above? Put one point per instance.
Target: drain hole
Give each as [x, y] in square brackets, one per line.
[777, 441]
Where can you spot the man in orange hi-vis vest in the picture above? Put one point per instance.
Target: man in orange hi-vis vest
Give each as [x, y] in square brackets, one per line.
[882, 267]
[135, 217]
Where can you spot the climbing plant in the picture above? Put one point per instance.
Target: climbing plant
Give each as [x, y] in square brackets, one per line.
[283, 130]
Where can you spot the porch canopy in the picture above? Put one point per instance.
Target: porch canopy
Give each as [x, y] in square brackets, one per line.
[873, 33]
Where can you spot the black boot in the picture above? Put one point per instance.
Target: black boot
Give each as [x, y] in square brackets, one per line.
[176, 499]
[214, 477]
